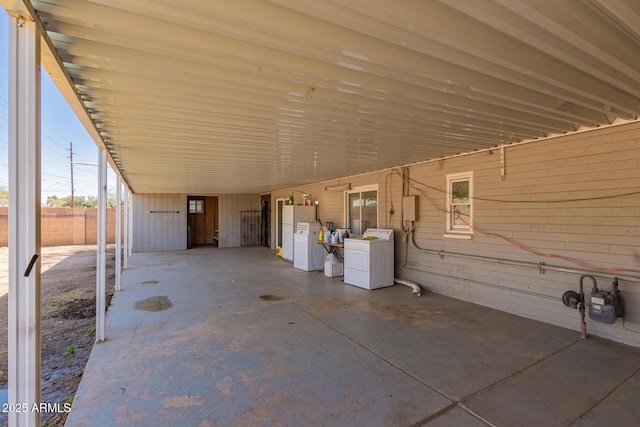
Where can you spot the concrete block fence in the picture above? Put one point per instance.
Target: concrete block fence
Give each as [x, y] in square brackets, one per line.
[66, 226]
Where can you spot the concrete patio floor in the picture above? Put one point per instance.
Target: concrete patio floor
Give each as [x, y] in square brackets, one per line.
[190, 342]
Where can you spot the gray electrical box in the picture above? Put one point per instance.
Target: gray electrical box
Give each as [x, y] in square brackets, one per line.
[410, 208]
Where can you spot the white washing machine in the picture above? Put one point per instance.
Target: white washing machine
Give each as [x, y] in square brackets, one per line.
[369, 264]
[308, 254]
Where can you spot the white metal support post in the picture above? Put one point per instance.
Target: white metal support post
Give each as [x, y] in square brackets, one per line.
[130, 214]
[118, 235]
[125, 258]
[24, 222]
[101, 260]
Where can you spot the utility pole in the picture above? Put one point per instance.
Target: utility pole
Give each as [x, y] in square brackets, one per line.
[71, 163]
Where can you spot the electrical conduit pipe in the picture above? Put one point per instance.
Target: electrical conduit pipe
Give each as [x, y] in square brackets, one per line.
[416, 288]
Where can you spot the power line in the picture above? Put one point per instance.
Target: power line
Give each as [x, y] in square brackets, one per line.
[47, 174]
[52, 140]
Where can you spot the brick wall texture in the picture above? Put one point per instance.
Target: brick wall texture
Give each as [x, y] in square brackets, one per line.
[66, 226]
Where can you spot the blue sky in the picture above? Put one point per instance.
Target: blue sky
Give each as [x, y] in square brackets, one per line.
[60, 126]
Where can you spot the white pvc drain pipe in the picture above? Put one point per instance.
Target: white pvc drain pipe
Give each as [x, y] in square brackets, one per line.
[416, 288]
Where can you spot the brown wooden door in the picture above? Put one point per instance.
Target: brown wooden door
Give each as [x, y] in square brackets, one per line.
[202, 219]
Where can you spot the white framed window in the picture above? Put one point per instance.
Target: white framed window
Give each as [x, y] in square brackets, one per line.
[361, 209]
[196, 206]
[459, 216]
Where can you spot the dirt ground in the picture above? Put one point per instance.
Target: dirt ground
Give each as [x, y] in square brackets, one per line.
[68, 316]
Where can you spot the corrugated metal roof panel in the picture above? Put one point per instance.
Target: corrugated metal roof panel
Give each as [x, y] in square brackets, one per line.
[249, 96]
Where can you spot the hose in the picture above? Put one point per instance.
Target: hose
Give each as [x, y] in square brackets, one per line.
[416, 288]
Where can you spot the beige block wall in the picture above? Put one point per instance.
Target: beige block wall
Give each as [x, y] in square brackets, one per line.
[529, 207]
[4, 225]
[91, 227]
[66, 226]
[79, 226]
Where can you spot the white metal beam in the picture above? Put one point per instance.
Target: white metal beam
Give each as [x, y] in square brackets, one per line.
[24, 221]
[101, 260]
[118, 234]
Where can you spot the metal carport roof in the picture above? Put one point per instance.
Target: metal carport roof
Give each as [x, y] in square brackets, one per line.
[250, 96]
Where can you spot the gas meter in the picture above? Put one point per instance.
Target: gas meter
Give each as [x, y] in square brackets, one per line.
[604, 306]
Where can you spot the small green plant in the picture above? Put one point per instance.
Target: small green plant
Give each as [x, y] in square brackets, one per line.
[70, 400]
[90, 330]
[69, 350]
